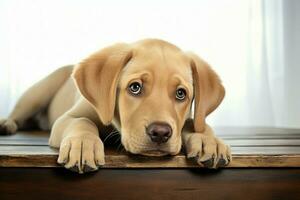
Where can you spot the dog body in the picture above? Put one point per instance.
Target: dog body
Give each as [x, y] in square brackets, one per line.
[144, 89]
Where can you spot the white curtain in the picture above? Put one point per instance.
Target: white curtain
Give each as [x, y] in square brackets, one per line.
[253, 45]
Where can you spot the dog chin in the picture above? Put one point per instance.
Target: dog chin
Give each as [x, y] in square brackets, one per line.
[155, 153]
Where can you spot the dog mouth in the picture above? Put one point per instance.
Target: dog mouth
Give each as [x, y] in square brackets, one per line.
[148, 148]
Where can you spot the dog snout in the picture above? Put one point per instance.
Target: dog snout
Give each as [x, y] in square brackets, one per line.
[159, 132]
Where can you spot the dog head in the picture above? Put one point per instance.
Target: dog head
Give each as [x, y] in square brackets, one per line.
[146, 89]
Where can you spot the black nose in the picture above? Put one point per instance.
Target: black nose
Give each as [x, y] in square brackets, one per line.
[159, 132]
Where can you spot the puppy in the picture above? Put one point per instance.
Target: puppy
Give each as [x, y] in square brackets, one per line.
[144, 89]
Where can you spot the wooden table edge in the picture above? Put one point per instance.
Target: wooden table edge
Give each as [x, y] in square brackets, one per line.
[179, 161]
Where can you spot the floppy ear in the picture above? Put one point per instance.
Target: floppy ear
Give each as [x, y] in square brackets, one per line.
[97, 77]
[208, 91]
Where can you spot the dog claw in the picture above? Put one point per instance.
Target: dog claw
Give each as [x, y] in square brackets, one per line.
[63, 162]
[208, 163]
[99, 166]
[228, 158]
[75, 168]
[87, 168]
[221, 163]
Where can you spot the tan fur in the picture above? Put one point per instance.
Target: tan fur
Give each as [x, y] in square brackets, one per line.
[77, 117]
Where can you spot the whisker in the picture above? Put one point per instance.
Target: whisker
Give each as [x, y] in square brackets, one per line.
[112, 134]
[123, 149]
[120, 145]
[117, 140]
[107, 137]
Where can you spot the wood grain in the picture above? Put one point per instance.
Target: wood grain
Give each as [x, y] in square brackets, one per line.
[260, 147]
[149, 184]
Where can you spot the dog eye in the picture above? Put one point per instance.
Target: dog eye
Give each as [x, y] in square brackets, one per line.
[180, 94]
[135, 88]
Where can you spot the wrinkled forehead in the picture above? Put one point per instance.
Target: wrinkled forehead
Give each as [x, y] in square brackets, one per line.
[160, 62]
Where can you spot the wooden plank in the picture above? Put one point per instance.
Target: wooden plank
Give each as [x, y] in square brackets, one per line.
[180, 161]
[223, 132]
[27, 150]
[267, 137]
[241, 150]
[40, 138]
[231, 142]
[150, 184]
[242, 157]
[30, 149]
[24, 143]
[253, 131]
[262, 142]
[26, 135]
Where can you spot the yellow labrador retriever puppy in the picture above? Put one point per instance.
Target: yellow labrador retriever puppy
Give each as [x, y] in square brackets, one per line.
[145, 90]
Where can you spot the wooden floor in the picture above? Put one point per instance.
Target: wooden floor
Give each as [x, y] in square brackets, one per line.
[266, 165]
[251, 147]
[150, 184]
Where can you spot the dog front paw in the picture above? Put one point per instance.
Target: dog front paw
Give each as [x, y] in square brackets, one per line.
[8, 126]
[81, 154]
[209, 151]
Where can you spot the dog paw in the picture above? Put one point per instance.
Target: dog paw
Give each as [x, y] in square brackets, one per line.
[209, 151]
[81, 154]
[8, 126]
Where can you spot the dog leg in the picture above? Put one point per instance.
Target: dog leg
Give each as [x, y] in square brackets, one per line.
[76, 135]
[208, 150]
[35, 99]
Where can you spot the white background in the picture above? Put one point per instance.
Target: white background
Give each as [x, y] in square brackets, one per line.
[253, 45]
